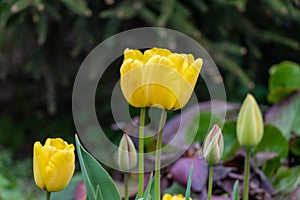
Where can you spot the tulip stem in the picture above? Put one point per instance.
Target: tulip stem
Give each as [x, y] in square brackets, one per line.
[48, 195]
[246, 175]
[126, 185]
[141, 153]
[210, 182]
[158, 155]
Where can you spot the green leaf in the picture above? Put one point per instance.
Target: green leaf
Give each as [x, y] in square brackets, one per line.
[188, 188]
[42, 28]
[272, 139]
[284, 79]
[295, 146]
[94, 175]
[231, 144]
[287, 179]
[78, 6]
[147, 194]
[98, 193]
[19, 6]
[201, 125]
[235, 192]
[285, 115]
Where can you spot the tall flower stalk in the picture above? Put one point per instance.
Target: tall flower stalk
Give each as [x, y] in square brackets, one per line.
[141, 153]
[213, 150]
[157, 78]
[158, 155]
[249, 130]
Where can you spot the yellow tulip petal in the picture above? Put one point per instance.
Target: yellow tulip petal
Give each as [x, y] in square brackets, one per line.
[167, 197]
[162, 80]
[133, 54]
[59, 170]
[131, 83]
[155, 51]
[36, 169]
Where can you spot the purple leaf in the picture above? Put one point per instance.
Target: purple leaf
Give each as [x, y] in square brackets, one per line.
[181, 170]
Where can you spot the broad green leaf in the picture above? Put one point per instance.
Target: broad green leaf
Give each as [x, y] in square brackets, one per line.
[271, 141]
[295, 146]
[201, 125]
[284, 79]
[231, 144]
[270, 167]
[235, 192]
[188, 188]
[287, 179]
[98, 193]
[94, 175]
[285, 115]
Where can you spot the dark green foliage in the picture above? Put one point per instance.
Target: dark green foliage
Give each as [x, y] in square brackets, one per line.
[42, 44]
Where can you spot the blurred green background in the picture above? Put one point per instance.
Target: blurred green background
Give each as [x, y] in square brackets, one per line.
[43, 42]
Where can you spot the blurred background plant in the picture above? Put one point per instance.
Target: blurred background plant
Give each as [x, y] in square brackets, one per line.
[43, 42]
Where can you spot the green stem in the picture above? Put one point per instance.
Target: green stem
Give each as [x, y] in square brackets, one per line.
[246, 175]
[158, 154]
[48, 195]
[126, 185]
[141, 153]
[210, 182]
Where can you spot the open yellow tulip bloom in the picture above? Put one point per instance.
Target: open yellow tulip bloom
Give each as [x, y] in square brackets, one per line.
[159, 78]
[53, 164]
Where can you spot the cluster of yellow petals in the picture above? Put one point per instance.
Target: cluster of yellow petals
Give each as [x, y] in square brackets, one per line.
[175, 197]
[53, 164]
[158, 78]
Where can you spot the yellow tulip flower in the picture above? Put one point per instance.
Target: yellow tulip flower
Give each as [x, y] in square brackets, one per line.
[53, 164]
[175, 197]
[158, 78]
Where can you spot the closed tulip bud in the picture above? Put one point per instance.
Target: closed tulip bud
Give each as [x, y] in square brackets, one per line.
[250, 124]
[213, 146]
[53, 164]
[127, 156]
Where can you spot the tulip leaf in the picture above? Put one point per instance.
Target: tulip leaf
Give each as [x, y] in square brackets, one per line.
[188, 188]
[98, 193]
[147, 194]
[235, 192]
[95, 176]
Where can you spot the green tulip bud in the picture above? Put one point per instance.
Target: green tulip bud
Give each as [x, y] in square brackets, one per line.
[127, 156]
[213, 146]
[250, 124]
